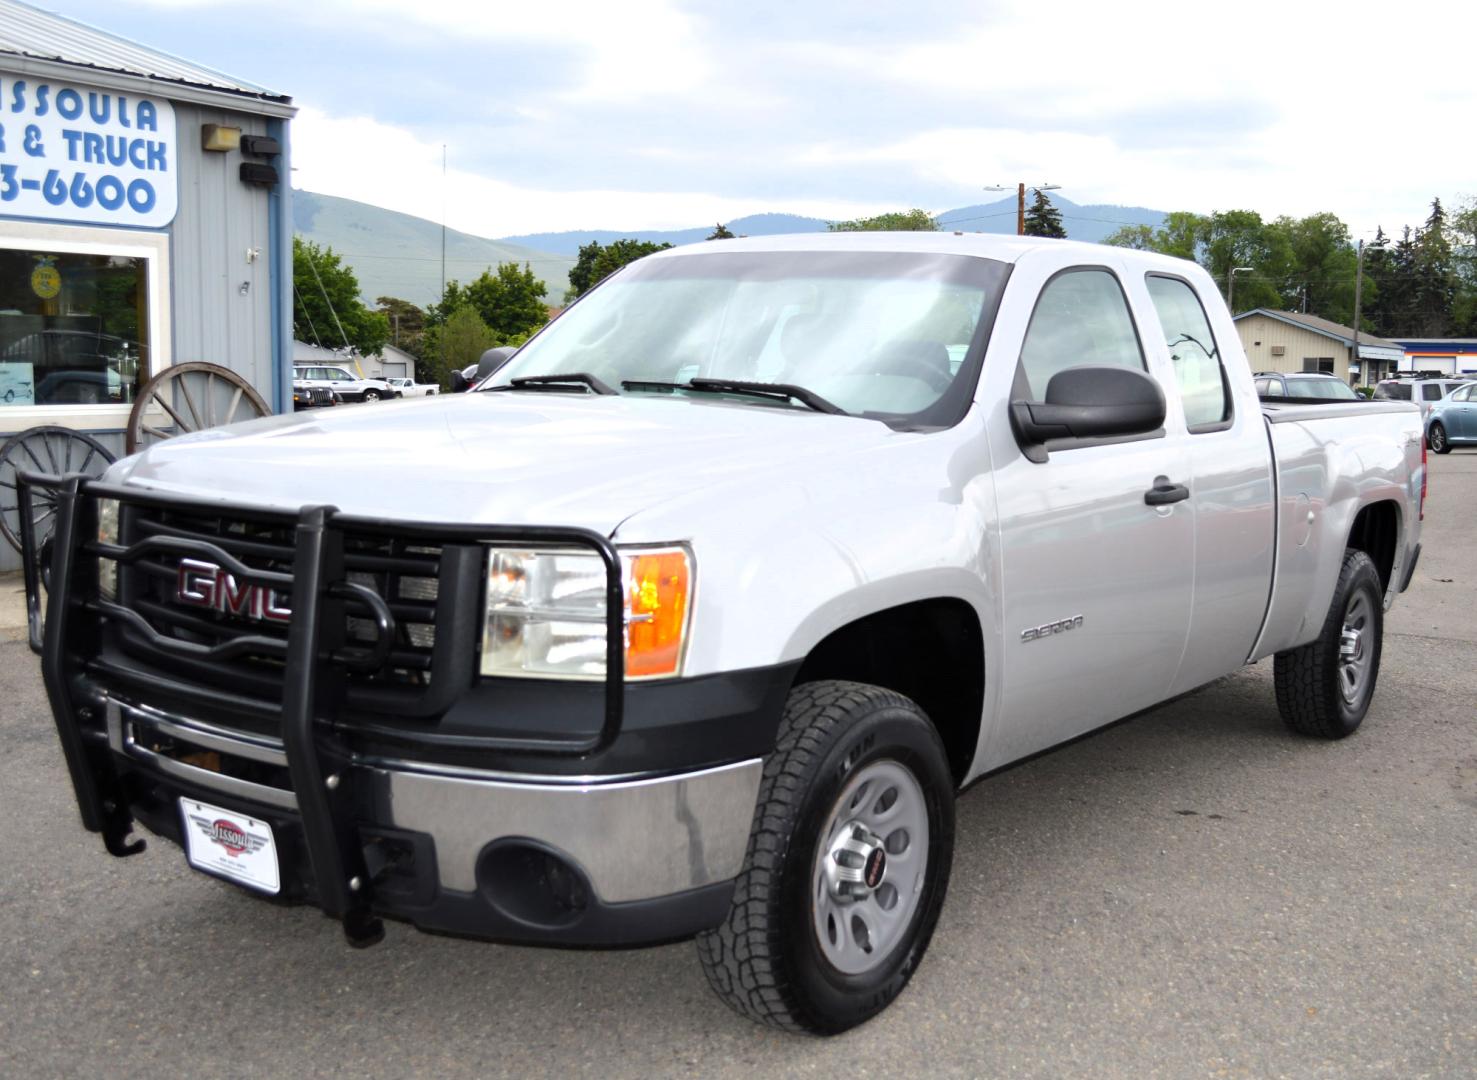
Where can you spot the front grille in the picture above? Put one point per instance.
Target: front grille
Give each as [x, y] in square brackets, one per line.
[404, 572]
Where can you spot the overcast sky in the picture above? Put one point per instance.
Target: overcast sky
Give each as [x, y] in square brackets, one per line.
[629, 114]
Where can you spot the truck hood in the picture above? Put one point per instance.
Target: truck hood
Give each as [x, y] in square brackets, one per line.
[496, 458]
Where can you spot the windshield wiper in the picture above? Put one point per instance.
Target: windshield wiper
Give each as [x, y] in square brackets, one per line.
[772, 391]
[562, 381]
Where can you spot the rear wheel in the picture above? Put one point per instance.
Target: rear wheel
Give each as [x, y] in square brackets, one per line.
[1324, 687]
[1436, 439]
[847, 864]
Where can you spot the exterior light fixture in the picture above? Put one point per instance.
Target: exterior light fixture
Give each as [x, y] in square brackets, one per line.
[219, 137]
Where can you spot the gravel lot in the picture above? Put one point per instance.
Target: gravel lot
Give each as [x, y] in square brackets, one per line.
[1192, 893]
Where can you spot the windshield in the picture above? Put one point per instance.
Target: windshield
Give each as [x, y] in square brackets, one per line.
[894, 336]
[1320, 388]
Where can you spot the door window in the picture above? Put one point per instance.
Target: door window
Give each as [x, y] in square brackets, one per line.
[1432, 391]
[1192, 351]
[1081, 320]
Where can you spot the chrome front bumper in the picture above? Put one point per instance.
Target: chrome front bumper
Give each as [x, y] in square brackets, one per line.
[634, 839]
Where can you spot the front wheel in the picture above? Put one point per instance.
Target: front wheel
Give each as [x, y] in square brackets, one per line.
[1324, 687]
[371, 395]
[1436, 439]
[847, 864]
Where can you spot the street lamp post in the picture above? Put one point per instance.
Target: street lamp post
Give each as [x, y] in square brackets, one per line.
[1231, 285]
[1020, 201]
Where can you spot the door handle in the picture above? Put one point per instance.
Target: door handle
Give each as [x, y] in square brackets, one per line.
[1163, 492]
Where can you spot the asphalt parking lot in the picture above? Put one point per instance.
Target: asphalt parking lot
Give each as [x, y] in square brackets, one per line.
[1192, 893]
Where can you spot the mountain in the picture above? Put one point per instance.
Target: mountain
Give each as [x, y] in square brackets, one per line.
[569, 243]
[1092, 222]
[396, 254]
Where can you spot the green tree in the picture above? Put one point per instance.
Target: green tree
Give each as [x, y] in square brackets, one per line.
[407, 323]
[1181, 235]
[1235, 238]
[463, 338]
[1044, 219]
[1434, 280]
[898, 221]
[598, 261]
[326, 307]
[720, 233]
[510, 300]
[1321, 266]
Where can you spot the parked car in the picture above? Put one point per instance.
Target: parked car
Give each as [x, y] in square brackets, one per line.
[410, 388]
[1424, 392]
[696, 616]
[1452, 421]
[1304, 386]
[344, 383]
[307, 396]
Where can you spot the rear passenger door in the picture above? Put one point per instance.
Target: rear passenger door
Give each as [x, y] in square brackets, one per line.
[1095, 584]
[1231, 499]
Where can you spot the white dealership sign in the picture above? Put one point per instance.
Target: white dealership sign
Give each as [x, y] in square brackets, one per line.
[70, 153]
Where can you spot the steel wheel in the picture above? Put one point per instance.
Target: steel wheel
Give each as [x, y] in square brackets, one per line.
[47, 449]
[1353, 655]
[869, 867]
[190, 397]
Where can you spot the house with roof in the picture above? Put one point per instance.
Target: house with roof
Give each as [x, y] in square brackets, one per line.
[145, 221]
[1289, 341]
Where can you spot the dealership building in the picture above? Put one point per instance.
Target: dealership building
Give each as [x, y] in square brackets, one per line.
[145, 220]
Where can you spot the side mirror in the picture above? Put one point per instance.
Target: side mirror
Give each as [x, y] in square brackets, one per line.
[459, 383]
[493, 359]
[1088, 403]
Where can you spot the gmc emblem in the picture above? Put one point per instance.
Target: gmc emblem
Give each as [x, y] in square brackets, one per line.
[205, 585]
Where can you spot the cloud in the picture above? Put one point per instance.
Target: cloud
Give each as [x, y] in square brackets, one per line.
[362, 158]
[647, 113]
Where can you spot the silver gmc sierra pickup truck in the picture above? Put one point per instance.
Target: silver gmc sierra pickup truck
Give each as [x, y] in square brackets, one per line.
[695, 616]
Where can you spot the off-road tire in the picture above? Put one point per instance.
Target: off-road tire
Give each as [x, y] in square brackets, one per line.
[764, 959]
[1437, 440]
[1307, 678]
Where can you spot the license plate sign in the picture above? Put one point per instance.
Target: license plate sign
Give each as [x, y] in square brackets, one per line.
[230, 845]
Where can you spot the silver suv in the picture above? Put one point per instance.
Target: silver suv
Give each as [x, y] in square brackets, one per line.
[344, 383]
[1424, 392]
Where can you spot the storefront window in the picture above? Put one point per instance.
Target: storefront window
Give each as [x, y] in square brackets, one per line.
[74, 328]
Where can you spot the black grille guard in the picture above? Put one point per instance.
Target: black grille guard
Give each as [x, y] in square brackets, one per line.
[334, 851]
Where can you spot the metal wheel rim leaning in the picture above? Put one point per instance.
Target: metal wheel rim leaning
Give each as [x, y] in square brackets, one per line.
[1354, 651]
[862, 903]
[45, 449]
[245, 403]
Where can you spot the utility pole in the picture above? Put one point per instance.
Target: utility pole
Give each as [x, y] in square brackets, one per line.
[1231, 286]
[443, 223]
[1358, 290]
[1020, 201]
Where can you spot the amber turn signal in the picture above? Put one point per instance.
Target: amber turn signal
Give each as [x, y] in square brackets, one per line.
[656, 612]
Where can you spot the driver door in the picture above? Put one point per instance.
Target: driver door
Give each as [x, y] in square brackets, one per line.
[1095, 584]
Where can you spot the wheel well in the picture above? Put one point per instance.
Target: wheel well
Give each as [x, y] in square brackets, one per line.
[931, 651]
[1375, 532]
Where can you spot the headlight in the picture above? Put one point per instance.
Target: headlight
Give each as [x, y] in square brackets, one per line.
[107, 533]
[546, 612]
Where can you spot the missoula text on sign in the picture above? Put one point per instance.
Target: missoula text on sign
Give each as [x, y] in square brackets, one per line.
[70, 153]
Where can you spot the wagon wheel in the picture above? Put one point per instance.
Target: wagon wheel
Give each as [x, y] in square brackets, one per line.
[49, 449]
[190, 397]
